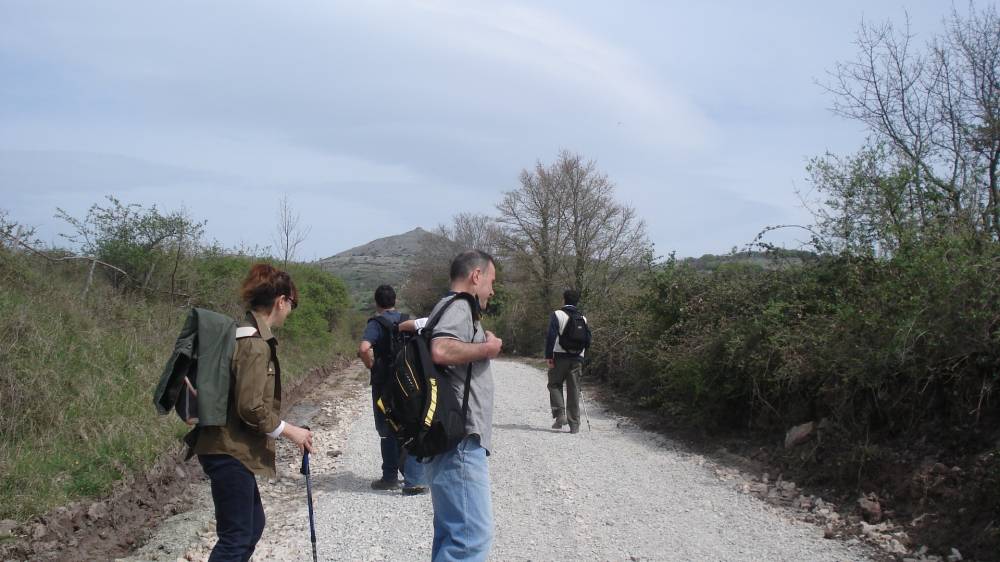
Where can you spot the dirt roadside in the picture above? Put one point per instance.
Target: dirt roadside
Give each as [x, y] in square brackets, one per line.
[328, 405]
[760, 467]
[171, 495]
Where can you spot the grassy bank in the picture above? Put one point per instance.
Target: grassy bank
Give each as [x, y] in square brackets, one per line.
[76, 375]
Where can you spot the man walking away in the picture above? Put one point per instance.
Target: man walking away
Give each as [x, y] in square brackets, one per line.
[460, 478]
[565, 345]
[375, 352]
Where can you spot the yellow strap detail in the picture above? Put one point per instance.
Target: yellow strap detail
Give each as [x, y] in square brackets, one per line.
[433, 406]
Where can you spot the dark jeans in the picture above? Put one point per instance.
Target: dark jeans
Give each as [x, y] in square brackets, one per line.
[387, 441]
[413, 472]
[239, 514]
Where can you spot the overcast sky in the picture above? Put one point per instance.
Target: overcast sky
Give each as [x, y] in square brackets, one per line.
[375, 117]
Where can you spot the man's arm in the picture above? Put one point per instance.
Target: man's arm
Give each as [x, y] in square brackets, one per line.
[412, 325]
[366, 354]
[550, 338]
[450, 351]
[373, 331]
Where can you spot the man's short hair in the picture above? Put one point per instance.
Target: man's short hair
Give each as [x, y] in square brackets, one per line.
[571, 296]
[467, 262]
[385, 296]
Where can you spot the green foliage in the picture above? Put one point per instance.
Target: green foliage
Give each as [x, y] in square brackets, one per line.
[139, 242]
[76, 375]
[322, 300]
[871, 344]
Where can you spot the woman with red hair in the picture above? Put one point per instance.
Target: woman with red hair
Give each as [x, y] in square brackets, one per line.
[233, 454]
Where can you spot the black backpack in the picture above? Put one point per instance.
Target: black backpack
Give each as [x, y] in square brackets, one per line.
[575, 334]
[418, 402]
[386, 348]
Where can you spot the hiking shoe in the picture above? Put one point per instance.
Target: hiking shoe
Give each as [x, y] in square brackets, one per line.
[414, 490]
[558, 423]
[574, 429]
[385, 484]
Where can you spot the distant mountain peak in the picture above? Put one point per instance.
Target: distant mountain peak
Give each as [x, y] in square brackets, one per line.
[407, 244]
[384, 260]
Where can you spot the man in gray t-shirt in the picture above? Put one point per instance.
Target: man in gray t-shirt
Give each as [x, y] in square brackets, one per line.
[460, 479]
[457, 324]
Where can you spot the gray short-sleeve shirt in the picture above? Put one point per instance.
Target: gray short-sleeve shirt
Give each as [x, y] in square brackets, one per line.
[456, 323]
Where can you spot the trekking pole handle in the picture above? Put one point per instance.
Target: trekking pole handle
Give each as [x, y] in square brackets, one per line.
[305, 456]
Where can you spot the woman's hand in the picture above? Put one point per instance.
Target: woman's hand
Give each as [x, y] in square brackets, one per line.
[301, 436]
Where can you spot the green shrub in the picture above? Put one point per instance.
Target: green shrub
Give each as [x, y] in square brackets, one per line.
[874, 344]
[76, 375]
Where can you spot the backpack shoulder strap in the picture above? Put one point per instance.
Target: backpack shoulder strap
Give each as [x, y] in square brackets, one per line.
[383, 321]
[246, 332]
[473, 306]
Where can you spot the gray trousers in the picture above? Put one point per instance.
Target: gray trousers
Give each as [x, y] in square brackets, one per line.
[567, 370]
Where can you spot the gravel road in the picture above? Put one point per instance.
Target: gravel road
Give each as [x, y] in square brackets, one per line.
[611, 492]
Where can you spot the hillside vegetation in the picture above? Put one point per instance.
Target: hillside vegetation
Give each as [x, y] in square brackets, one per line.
[77, 369]
[389, 260]
[879, 341]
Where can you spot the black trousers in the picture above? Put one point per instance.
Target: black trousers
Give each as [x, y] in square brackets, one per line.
[239, 514]
[387, 440]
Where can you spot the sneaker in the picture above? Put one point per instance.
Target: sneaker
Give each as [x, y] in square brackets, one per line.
[558, 423]
[574, 429]
[414, 490]
[385, 484]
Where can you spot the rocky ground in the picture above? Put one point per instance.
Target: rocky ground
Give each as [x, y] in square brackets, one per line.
[613, 492]
[329, 407]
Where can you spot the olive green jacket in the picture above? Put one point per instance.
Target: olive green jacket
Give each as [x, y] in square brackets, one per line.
[203, 353]
[254, 403]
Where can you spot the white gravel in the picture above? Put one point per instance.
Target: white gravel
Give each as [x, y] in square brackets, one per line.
[611, 492]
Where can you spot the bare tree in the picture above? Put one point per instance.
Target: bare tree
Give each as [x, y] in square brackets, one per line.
[534, 226]
[474, 231]
[566, 226]
[938, 109]
[290, 232]
[605, 238]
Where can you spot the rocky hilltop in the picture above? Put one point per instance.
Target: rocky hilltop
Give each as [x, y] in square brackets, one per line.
[385, 260]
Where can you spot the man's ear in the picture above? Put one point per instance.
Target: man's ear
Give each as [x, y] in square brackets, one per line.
[477, 274]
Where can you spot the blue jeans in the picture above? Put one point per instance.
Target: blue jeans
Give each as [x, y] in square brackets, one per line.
[239, 514]
[413, 472]
[463, 510]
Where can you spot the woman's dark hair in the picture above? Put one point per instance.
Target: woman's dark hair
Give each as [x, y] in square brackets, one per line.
[264, 284]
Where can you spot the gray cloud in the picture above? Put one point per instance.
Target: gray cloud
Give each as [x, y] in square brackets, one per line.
[375, 117]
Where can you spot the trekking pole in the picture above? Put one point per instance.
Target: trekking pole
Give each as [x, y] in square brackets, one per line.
[584, 404]
[309, 500]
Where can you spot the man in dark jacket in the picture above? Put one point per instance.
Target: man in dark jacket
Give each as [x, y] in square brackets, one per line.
[565, 366]
[375, 353]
